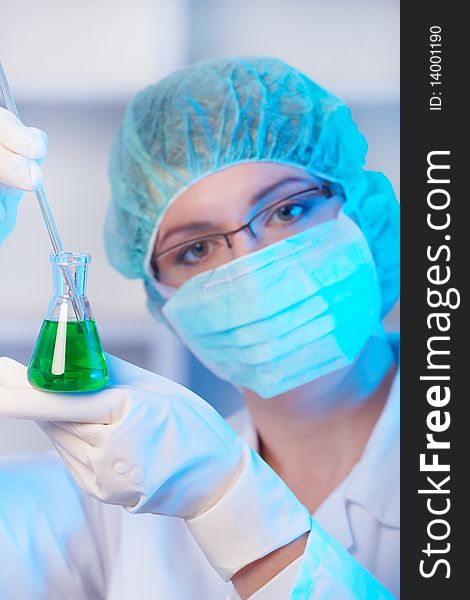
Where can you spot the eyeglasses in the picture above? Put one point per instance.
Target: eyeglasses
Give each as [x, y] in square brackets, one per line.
[277, 221]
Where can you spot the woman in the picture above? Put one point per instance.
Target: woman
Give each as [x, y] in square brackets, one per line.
[239, 197]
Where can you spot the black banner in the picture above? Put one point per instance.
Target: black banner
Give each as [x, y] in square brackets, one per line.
[435, 329]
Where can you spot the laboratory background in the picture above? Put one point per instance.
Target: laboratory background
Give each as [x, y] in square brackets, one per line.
[74, 66]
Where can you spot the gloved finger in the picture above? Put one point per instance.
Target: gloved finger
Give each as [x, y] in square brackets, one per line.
[84, 433]
[124, 373]
[64, 441]
[102, 488]
[18, 171]
[30, 142]
[64, 436]
[13, 373]
[83, 475]
[9, 200]
[117, 368]
[28, 403]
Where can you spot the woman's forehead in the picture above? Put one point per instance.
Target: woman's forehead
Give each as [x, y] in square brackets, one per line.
[236, 186]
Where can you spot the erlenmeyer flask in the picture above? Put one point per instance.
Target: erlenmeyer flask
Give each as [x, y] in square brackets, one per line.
[68, 356]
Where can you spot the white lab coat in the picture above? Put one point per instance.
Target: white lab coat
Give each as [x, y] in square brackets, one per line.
[56, 542]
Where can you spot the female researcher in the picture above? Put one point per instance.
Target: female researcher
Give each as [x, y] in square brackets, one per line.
[239, 197]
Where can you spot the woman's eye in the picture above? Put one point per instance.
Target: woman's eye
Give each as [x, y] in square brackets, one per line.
[287, 213]
[194, 252]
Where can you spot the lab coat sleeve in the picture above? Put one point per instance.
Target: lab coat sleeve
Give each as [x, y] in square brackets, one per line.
[51, 543]
[326, 571]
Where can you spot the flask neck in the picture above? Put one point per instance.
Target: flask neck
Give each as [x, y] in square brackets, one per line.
[78, 273]
[68, 266]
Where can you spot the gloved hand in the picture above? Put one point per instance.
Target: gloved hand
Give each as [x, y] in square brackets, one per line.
[20, 149]
[151, 445]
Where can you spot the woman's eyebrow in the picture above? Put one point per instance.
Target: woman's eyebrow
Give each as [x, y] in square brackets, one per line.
[192, 226]
[274, 187]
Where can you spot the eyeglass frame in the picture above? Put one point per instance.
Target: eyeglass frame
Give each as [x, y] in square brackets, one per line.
[227, 234]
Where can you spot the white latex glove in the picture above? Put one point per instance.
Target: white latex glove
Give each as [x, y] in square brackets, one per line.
[20, 149]
[151, 445]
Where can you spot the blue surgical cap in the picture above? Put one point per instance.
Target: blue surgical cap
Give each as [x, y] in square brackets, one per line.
[226, 111]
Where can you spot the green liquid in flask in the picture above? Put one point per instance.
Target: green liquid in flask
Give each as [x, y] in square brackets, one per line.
[68, 357]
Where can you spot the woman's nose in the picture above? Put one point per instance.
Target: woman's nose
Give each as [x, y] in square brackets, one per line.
[243, 242]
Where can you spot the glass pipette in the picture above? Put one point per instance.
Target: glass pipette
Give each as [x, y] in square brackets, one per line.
[46, 211]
